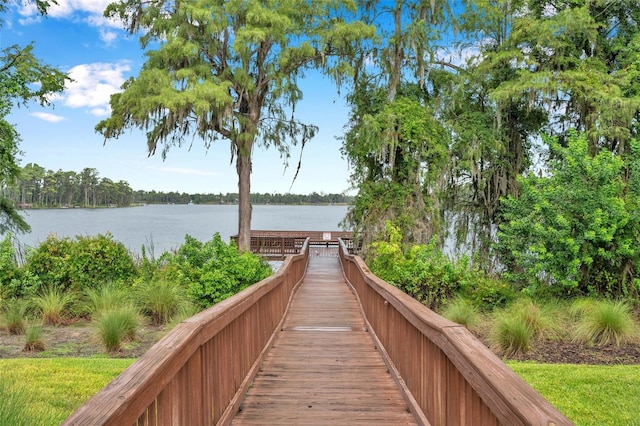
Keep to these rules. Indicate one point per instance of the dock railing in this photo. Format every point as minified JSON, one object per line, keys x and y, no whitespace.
{"x":451,"y":377}
{"x":199,"y":372}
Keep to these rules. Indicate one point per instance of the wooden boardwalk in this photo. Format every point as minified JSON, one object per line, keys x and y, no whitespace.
{"x":323,"y":367}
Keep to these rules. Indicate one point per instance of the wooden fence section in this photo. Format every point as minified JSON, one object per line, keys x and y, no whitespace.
{"x":278,"y":244}
{"x":452,"y":376}
{"x":198,"y":373}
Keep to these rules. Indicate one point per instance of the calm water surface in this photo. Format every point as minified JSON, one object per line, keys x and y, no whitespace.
{"x":166,"y":225}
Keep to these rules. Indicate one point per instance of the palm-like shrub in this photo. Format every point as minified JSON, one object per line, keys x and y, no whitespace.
{"x":54,"y":304}
{"x":117,"y":326}
{"x":13,"y":313}
{"x":607,"y":322}
{"x":161,"y":300}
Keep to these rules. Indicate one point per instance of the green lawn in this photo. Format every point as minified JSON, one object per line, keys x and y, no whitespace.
{"x":587,"y":394}
{"x":45,"y":391}
{"x":48,"y":390}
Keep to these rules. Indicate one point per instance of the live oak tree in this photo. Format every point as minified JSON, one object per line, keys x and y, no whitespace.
{"x":229,"y":69}
{"x":23,"y":79}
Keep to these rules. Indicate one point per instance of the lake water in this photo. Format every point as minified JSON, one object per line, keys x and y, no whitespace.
{"x":166,"y":225}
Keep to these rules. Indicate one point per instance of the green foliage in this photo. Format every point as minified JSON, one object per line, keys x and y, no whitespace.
{"x":8,"y":265}
{"x":575,"y":230}
{"x":461,"y":311}
{"x":86,"y":262}
{"x":212,"y":271}
{"x":53,"y":305}
{"x":424,"y":272}
{"x":161,"y":300}
{"x":486,"y":292}
{"x":14,"y":315}
{"x":117,"y":326}
{"x":398,"y":151}
{"x":606,"y":322}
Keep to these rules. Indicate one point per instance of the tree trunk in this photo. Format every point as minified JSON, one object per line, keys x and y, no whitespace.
{"x":243,"y":166}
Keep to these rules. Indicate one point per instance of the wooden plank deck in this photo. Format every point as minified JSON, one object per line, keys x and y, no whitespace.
{"x":323,"y":367}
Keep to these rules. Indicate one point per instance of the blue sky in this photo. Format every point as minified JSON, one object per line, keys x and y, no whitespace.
{"x":99,"y":56}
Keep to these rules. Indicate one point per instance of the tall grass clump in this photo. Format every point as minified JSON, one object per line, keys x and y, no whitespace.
{"x":117,"y":326}
{"x":13,"y":315}
{"x":607,"y":322}
{"x":107,"y":297}
{"x":461,"y":311}
{"x":53,"y":304}
{"x":518,"y":326}
{"x":510,"y":335}
{"x":161,"y":300}
{"x":33,"y":339}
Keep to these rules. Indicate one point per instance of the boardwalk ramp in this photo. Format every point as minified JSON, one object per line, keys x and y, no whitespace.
{"x":324,"y":367}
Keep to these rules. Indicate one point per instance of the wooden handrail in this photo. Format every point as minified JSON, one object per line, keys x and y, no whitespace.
{"x":198,"y":373}
{"x":451,"y":375}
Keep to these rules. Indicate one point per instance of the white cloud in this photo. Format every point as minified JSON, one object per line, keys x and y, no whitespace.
{"x":93,"y":85}
{"x":66,"y":8}
{"x":52,"y":118}
{"x":107,"y":36}
{"x":88,"y":11}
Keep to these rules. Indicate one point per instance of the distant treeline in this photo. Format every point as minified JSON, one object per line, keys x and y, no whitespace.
{"x":153,"y":197}
{"x":40,"y":188}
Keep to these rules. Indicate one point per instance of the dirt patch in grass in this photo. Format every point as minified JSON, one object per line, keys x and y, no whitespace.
{"x":78,"y":340}
{"x":561,"y":352}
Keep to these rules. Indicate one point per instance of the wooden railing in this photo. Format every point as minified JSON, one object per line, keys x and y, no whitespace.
{"x":278,"y":244}
{"x":451,"y":377}
{"x":198,"y":373}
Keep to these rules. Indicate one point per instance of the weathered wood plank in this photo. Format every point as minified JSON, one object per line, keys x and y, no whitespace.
{"x":324,"y":366}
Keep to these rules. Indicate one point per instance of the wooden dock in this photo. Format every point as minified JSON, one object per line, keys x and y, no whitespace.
{"x":323,"y":367}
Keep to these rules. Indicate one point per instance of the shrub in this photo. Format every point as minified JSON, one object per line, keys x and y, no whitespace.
{"x":14,"y":312}
{"x":212,"y":271}
{"x":575,"y":230}
{"x":607,"y":322}
{"x":83,"y":263}
{"x":424,"y":272}
{"x":487,"y":293}
{"x":161,"y":300}
{"x":33,"y":339}
{"x":461,"y":311}
{"x":116,"y":326}
{"x":53,"y":304}
{"x":8,"y":267}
